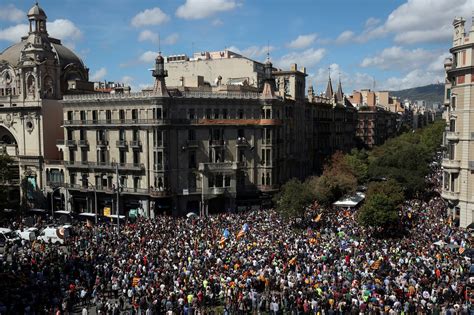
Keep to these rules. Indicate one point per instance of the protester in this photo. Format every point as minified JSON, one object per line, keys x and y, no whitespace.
{"x":249,"y":262}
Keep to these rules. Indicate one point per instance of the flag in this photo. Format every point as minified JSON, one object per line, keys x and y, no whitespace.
{"x":461,"y":250}
{"x":240,"y":234}
{"x":292,"y":261}
{"x":222,"y":241}
{"x":318,"y":218}
{"x":376,"y":265}
{"x":225,"y":233}
{"x":245,"y":227}
{"x":135,"y":281}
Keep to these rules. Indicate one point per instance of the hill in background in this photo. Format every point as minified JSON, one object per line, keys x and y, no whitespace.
{"x":433,"y":93}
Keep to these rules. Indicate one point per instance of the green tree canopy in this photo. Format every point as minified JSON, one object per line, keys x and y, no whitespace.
{"x":378,"y":211}
{"x":293,"y":198}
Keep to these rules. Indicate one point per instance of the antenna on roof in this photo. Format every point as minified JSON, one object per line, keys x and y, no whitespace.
{"x":159,"y":42}
{"x":329,"y":71}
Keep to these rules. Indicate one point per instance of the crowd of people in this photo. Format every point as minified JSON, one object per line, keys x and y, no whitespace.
{"x":248,"y":263}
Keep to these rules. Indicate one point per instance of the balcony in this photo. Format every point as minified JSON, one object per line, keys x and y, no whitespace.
{"x":242,"y":142}
{"x":217,"y":190}
{"x":135,"y":144}
{"x":451,"y":164}
{"x":122,"y":144}
{"x":83,"y":143}
{"x":217,"y":143}
{"x":192,"y":144}
{"x":450,"y":195}
{"x":102,"y":143}
{"x":159,"y":193}
{"x":104,"y":165}
{"x":70,"y":143}
{"x":452,"y":135}
{"x":268,"y":188}
{"x":219,"y":167}
{"x":116,"y":122}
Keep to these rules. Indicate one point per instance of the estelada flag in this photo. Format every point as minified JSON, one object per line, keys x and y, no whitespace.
{"x":318,"y":218}
{"x":240,"y":234}
{"x":376,"y":265}
{"x":222,"y":241}
{"x":135,"y":281}
{"x":461,"y":250}
{"x":292,"y":261}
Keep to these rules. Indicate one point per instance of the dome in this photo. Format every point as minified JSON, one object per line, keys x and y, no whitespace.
{"x":36,"y":11}
{"x":64,"y":55}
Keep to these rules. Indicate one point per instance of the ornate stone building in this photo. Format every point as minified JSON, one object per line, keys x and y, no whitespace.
{"x":458,"y":162}
{"x":34,"y":74}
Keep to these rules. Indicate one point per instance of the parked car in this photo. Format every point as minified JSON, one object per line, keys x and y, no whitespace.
{"x":9,"y":236}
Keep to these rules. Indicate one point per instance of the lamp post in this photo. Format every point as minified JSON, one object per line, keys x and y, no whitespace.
{"x":95,"y":201}
{"x":52,"y":200}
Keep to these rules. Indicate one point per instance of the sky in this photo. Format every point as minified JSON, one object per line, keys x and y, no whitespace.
{"x":386,"y":44}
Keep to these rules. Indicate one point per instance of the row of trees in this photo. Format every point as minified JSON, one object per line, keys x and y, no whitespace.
{"x":391,"y":172}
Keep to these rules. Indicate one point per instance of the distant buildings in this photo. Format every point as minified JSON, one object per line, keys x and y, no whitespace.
{"x":458,"y":161}
{"x":217,"y":131}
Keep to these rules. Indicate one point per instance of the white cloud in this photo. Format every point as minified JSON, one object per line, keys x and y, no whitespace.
{"x":14,"y":33}
{"x":306,"y":58}
{"x":418,"y":21}
{"x":217,"y":22}
{"x":371,"y":22}
{"x":99,"y":74}
{"x":302,"y":41}
{"x":148,"y":56}
{"x":127,"y":80}
{"x":417,"y":77}
{"x":147,"y":35}
{"x":252,"y":51}
{"x":345,"y":37}
{"x":64,"y":30}
{"x":199,"y":9}
{"x":399,"y":58}
{"x":152,"y":16}
{"x":171,"y":39}
{"x":11,"y":13}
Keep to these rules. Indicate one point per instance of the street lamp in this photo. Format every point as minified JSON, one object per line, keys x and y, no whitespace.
{"x":52,"y":200}
{"x":95,"y":201}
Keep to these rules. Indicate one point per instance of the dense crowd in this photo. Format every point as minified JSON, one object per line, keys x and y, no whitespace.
{"x":249,"y":263}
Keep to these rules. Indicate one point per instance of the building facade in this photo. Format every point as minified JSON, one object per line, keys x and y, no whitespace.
{"x":458,"y":161}
{"x":34,"y":74}
{"x":375,"y":125}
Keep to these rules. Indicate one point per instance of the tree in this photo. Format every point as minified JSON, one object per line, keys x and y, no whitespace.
{"x":5,"y":176}
{"x":378,"y":211}
{"x":358,"y":163}
{"x":390,"y":188}
{"x":293,"y":199}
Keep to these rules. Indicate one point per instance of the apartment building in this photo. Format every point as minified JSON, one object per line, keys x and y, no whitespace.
{"x":458,"y":161}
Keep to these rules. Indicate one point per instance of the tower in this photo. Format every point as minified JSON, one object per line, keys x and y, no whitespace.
{"x":160,"y":74}
{"x":268,"y":85}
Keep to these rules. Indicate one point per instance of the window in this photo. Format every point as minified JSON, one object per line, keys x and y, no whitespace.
{"x":216,"y":113}
{"x":240,"y":133}
{"x":159,"y":113}
{"x":122,"y":135}
{"x":241,"y":155}
{"x":240,"y":113}
{"x":136,"y":183}
{"x":208,"y":113}
{"x":191,"y":134}
{"x":192,"y":159}
{"x":70,"y":115}
{"x":224,"y":113}
{"x":134,"y":114}
{"x":82,"y":115}
{"x":70,"y":134}
{"x":453,"y":182}
{"x":136,"y":135}
{"x":461,"y":79}
{"x":84,"y":155}
{"x":451,"y":150}
{"x":72,"y":156}
{"x":72,"y":178}
{"x":191,"y":113}
{"x":160,"y":160}
{"x":123,"y":181}
{"x":192,"y":181}
{"x":136,"y":157}
{"x":108,"y":116}
{"x":121,"y":115}
{"x":102,"y":156}
{"x":82,"y":134}
{"x":446,"y":180}
{"x":85,"y":180}
{"x":123,"y":156}
{"x":226,"y":181}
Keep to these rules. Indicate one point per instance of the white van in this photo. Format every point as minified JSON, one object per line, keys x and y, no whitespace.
{"x":9,"y":236}
{"x":55,"y":235}
{"x":28,"y":234}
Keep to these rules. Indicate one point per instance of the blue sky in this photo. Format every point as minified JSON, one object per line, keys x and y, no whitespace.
{"x":396,"y":43}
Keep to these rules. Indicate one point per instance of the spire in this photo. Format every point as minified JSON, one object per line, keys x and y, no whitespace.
{"x":160,"y":74}
{"x":339,"y":93}
{"x":329,"y":90}
{"x":268,"y":90}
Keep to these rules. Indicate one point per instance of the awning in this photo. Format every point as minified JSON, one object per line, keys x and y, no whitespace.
{"x":351,"y":201}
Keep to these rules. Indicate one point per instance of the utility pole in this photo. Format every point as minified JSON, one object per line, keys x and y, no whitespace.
{"x":118,"y":196}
